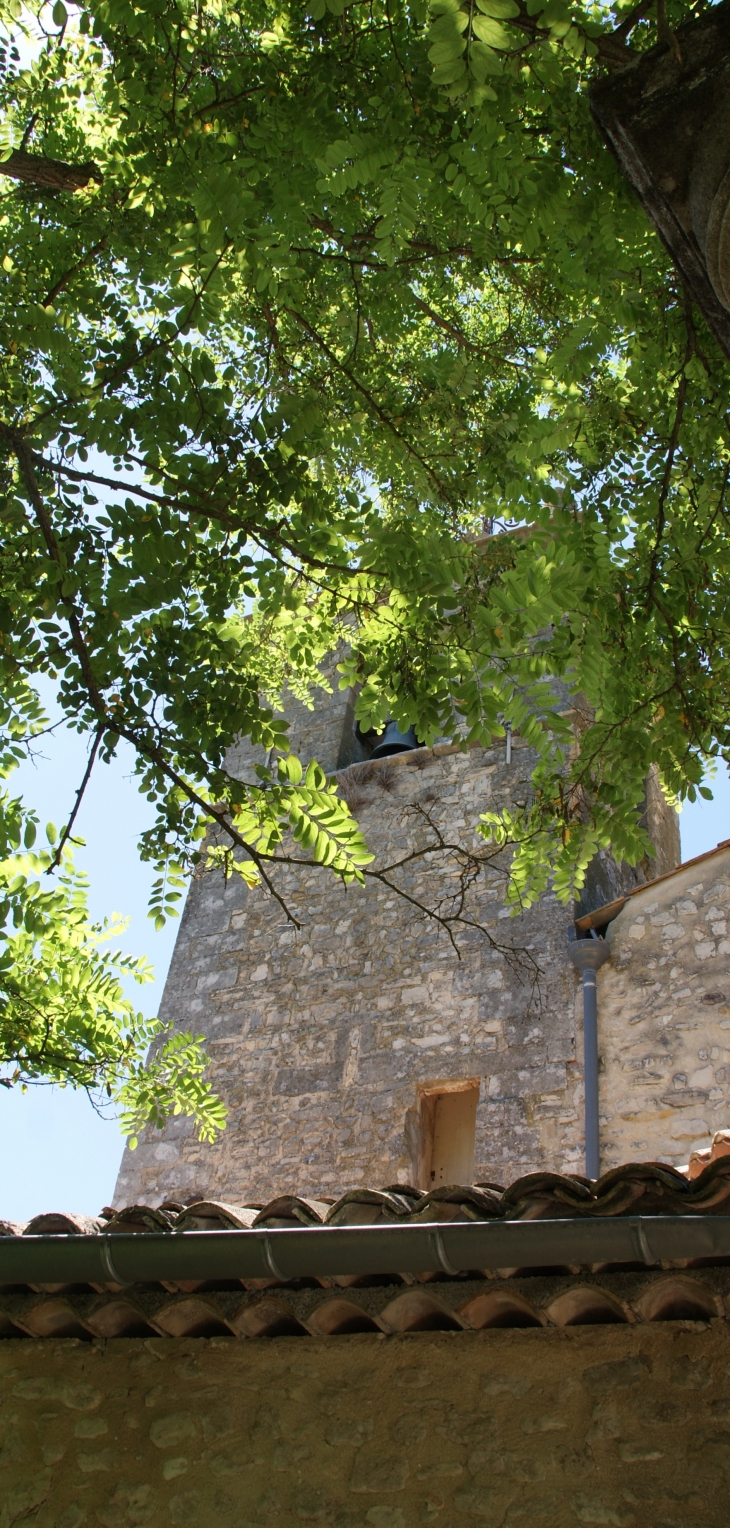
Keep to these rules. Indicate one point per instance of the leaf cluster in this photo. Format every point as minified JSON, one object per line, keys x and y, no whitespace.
{"x":354,"y":341}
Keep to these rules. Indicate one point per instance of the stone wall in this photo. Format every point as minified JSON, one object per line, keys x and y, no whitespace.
{"x":664,"y":1018}
{"x":328,"y":1041}
{"x":613,"y":1425}
{"x":607,"y":879}
{"x":322,"y":1039}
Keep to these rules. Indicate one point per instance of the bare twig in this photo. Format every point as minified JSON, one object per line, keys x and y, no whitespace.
{"x":370,"y":400}
{"x":66,"y":834}
{"x":63,"y":281}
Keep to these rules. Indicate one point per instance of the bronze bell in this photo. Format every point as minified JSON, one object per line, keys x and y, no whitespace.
{"x":395,"y":741}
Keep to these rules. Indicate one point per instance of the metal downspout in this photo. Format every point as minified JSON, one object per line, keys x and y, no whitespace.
{"x":588,"y":955}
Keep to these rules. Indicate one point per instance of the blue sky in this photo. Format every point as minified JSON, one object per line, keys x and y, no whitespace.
{"x":55,"y":1153}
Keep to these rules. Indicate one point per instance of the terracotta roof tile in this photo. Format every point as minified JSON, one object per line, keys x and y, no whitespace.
{"x":456,"y":1305}
{"x":720,"y":1147}
{"x":646,"y":1188}
{"x":56,"y":1224}
{"x":290,"y":1210}
{"x":382,"y":1304}
{"x":456,"y":1203}
{"x":369,"y":1207}
{"x":212,"y":1215}
{"x":141,"y":1217}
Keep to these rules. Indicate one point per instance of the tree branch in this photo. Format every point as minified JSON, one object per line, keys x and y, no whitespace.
{"x":671,"y":451}
{"x":66,"y":834}
{"x":25,"y":461}
{"x":208,"y":511}
{"x":457,"y":334}
{"x":373,"y":403}
{"x":59,"y":285}
{"x":49,"y":174}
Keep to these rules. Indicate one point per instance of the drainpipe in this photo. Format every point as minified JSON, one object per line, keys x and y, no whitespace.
{"x":587,"y":956}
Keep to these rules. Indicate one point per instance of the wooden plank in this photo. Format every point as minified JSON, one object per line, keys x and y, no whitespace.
{"x":603,"y":915}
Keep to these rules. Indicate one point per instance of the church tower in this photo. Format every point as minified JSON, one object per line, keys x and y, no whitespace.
{"x":363,"y":1049}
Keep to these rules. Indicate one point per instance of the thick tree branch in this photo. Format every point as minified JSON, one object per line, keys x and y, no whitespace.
{"x":49,"y":174}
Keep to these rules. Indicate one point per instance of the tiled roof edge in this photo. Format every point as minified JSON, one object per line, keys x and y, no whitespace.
{"x":316,"y":1251}
{"x":611,"y":910}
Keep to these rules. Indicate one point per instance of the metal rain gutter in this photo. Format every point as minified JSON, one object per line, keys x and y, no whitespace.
{"x":588,"y":955}
{"x":126,"y":1258}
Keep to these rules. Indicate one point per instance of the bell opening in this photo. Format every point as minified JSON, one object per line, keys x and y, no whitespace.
{"x":394,"y":741}
{"x":382,"y":744}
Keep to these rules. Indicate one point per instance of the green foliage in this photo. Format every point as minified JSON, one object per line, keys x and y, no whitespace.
{"x":64,"y":1017}
{"x":350,"y":285}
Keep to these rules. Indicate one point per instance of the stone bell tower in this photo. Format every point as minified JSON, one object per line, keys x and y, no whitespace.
{"x":362,"y":1049}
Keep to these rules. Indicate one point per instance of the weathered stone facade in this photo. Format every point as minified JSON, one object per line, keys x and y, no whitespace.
{"x":664,"y":1018}
{"x":320,"y":1040}
{"x":333,"y":1044}
{"x":613,"y":1425}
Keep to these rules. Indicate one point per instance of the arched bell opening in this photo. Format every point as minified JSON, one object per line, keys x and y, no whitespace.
{"x":382,"y":745}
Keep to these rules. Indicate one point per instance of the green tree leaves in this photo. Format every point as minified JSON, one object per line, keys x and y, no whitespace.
{"x":490,"y":32}
{"x":308,"y":805}
{"x":349,"y":289}
{"x":64,"y":1016}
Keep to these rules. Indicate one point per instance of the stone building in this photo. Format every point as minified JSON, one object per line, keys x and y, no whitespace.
{"x":664,"y":1016}
{"x":363,"y":1048}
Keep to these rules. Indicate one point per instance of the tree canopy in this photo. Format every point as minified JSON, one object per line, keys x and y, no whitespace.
{"x":335,"y":322}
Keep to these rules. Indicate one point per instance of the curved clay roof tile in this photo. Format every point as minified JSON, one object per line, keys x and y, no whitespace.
{"x":60,"y":1224}
{"x":454,"y":1203}
{"x":644,"y":1188}
{"x":141,"y":1217}
{"x":289,"y":1209}
{"x":214,"y":1215}
{"x":368,"y":1206}
{"x":541,"y":1196}
{"x":710,"y":1191}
